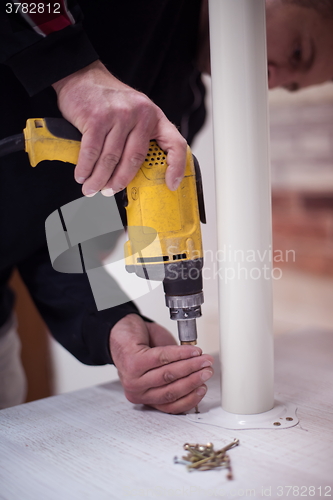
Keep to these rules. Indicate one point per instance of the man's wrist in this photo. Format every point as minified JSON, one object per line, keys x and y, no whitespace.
{"x":95,"y":73}
{"x":60,"y":84}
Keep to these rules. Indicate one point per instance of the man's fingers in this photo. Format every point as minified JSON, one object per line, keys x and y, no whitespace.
{"x":167,"y":377}
{"x":129,"y":344}
{"x":96,"y":102}
{"x":178,"y":389}
{"x":160,"y":356}
{"x":170,"y":373}
{"x":135,"y":151}
{"x":169,"y":139}
{"x":176,"y":159}
{"x":185,"y":403}
{"x":90,"y":150}
{"x":171,"y":392}
{"x":107,"y":162}
{"x":133,"y":156}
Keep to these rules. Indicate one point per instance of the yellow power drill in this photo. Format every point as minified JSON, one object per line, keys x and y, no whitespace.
{"x":164,"y":226}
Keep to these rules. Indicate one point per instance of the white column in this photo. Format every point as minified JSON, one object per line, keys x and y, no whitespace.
{"x":241,"y":145}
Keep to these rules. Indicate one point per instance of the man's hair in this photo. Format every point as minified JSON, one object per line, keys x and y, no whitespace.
{"x":324,"y":7}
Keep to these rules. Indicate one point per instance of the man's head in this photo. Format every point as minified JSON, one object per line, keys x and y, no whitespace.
{"x":325,"y":7}
{"x":299,"y":42}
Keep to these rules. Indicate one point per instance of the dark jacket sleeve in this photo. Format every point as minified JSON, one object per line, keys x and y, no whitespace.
{"x":42,"y":48}
{"x":66,"y":304}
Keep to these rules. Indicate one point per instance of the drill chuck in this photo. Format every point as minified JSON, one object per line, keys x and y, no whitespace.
{"x":185,"y":309}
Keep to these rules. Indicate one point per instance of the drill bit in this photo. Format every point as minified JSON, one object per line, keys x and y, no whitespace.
{"x":192,"y":342}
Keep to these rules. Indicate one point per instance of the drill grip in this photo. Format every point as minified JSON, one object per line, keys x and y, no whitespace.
{"x":51,"y":139}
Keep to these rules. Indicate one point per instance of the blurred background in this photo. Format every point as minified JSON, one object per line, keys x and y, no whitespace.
{"x":302,"y":198}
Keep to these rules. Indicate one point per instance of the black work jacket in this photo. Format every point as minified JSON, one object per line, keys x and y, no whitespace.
{"x":148,"y":44}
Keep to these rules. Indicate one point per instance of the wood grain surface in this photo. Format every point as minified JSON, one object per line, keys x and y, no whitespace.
{"x":94,"y":444}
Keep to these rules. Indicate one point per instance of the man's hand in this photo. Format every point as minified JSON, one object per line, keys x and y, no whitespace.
{"x":154,"y":370}
{"x":117,"y":123}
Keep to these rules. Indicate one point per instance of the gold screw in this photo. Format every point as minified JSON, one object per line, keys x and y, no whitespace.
{"x":203,"y":457}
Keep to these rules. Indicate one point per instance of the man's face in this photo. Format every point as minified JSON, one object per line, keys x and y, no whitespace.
{"x":299,"y":46}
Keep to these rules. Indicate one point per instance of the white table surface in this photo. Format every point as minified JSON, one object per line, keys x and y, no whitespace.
{"x":94,"y":444}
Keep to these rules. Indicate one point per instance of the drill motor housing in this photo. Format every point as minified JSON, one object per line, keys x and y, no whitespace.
{"x":165,"y":241}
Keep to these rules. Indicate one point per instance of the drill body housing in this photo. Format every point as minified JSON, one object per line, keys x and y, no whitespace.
{"x":165,"y":241}
{"x":164,"y":226}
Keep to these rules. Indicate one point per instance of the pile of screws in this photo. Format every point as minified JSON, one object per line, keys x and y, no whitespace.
{"x":204,"y":457}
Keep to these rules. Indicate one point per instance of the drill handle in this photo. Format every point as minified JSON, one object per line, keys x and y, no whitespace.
{"x":51,"y":139}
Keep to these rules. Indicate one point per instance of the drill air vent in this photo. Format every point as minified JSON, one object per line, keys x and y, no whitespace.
{"x":155,"y":156}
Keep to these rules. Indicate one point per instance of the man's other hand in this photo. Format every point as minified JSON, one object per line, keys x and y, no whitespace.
{"x":154,"y":370}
